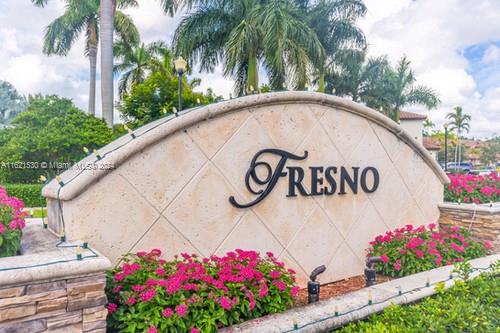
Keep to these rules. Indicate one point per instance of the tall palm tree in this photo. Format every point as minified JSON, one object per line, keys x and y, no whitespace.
{"x":402,"y":91}
{"x":428,"y":126}
{"x":459,"y":122}
{"x":107,"y":19}
{"x":84,"y":17}
{"x":244,"y":34}
{"x":350,"y":74}
{"x":136,"y":62}
{"x":334,"y":21}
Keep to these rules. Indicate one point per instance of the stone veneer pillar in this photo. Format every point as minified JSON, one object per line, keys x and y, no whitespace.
{"x":483,"y":221}
{"x":47,"y":290}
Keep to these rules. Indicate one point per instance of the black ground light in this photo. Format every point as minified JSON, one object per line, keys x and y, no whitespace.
{"x":370,"y":274}
{"x":313,"y":286}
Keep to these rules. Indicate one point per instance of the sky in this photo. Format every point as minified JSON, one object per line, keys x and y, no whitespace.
{"x":453,"y":45}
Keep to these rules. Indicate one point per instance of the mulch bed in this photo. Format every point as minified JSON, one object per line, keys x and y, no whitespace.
{"x":339,"y":288}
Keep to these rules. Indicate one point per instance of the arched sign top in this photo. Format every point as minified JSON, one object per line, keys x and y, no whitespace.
{"x":119,"y":151}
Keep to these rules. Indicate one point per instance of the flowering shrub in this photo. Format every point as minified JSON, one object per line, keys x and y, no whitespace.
{"x":189,"y":294}
{"x":473,"y":188}
{"x":11,"y":224}
{"x":410,"y":250}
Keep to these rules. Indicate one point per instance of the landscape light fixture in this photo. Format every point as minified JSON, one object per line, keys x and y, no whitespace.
{"x":313,"y":286}
{"x":370,"y":298}
{"x":96,"y":153}
{"x":370,"y":273}
{"x":86,"y":150}
{"x":129,"y":131}
{"x":43,"y":179}
{"x":59,"y":180}
{"x":445,"y":147}
{"x":78,"y":252}
{"x":180,"y":66}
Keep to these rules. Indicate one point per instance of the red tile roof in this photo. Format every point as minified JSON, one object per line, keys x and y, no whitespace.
{"x":404,"y":115}
{"x":431,"y":144}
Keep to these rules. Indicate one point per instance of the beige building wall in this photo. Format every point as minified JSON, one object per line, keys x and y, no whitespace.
{"x":170,"y":185}
{"x":414,"y":128}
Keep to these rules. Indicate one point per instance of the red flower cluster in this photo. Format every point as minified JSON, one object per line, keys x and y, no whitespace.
{"x":409,"y":250}
{"x":473,"y":189}
{"x":188,"y":288}
{"x":11,"y":223}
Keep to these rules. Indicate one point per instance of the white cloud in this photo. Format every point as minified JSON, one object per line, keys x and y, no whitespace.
{"x":433,"y":34}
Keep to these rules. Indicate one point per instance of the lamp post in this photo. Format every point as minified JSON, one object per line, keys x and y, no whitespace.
{"x":180,"y":67}
{"x":446,"y":147}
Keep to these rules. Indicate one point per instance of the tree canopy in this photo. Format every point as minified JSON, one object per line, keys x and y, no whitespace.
{"x":11,"y":102}
{"x":41,"y":134}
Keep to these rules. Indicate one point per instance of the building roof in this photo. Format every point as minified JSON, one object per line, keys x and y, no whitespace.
{"x":431,"y":144}
{"x":404,"y":115}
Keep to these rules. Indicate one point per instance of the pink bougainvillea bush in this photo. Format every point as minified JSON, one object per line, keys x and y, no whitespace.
{"x":191,"y":294}
{"x":11,"y":224}
{"x":409,"y":250}
{"x":473,"y":188}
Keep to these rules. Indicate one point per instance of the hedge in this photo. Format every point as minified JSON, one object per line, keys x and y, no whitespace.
{"x":471,"y":307}
{"x":29,"y":193}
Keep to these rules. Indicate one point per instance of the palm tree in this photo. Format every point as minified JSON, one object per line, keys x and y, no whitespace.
{"x":333,"y":21}
{"x":428,"y":126}
{"x":350,"y":74}
{"x":459,"y":121}
{"x":107,"y":19}
{"x":243,"y":34}
{"x":83,"y":17}
{"x":136,"y":62}
{"x":402,"y":91}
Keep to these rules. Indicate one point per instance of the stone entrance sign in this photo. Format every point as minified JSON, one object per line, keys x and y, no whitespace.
{"x":310,"y":177}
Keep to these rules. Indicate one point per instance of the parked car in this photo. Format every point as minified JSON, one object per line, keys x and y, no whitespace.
{"x":462,"y":167}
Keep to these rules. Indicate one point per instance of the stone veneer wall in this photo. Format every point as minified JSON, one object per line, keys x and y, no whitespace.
{"x":47,"y":290}
{"x":482,"y":221}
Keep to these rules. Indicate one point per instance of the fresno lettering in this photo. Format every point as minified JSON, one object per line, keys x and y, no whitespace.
{"x":320,"y":180}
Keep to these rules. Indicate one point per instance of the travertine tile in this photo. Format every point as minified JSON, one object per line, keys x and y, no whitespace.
{"x":166,"y":238}
{"x":212,"y":134}
{"x":202,"y":210}
{"x":151,"y":172}
{"x":250,"y":234}
{"x":316,"y":242}
{"x":286,"y":125}
{"x":390,"y":141}
{"x":344,"y":264}
{"x":111,"y":216}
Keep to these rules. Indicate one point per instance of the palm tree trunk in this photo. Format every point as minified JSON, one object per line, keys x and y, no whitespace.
{"x":92,"y":47}
{"x":253,"y":75}
{"x":107,"y":14}
{"x":93,"y":69}
{"x":321,"y":83}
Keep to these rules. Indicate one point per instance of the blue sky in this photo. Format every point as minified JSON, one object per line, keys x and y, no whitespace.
{"x":454,"y":46}
{"x":484,"y":64}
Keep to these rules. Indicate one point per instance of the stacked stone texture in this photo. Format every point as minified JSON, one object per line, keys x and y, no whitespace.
{"x":483,"y":225}
{"x":71,"y":304}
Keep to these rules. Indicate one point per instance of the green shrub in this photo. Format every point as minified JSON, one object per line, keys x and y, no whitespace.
{"x":409,"y":250}
{"x":471,"y":307}
{"x":11,"y":224}
{"x":31,"y":194}
{"x":189,"y":294}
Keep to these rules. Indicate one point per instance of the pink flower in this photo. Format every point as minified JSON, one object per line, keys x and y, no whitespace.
{"x":181,"y":310}
{"x":141,"y":254}
{"x":274,"y":274}
{"x":280,"y":285}
{"x":419,"y":253}
{"x":137,"y":288}
{"x":112,"y":307}
{"x":397,"y":265}
{"x":147,"y":295}
{"x":13,"y":225}
{"x":152,"y":329}
{"x":2,"y":229}
{"x":457,"y":247}
{"x":167,"y":313}
{"x":384,"y":258}
{"x":119,"y":277}
{"x":487,"y":245}
{"x":438,"y":260}
{"x":131,"y":300}
{"x":194,"y":330}
{"x":414,"y":242}
{"x":160,"y":272}
{"x":225,"y":303}
{"x":295,"y":291}
{"x":117,"y":289}
{"x":432,"y":226}
{"x":263,"y":291}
